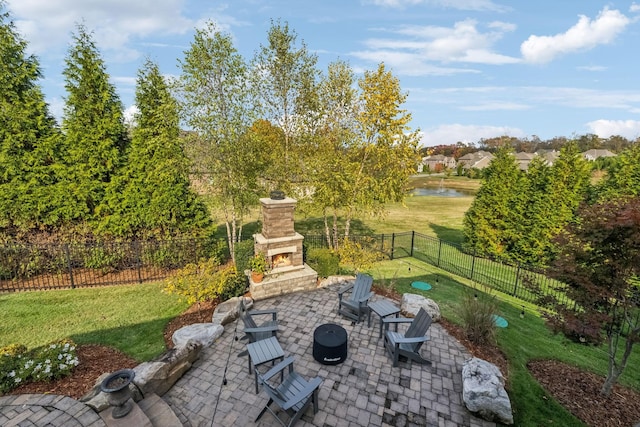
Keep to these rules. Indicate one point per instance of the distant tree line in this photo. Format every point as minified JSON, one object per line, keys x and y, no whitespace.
{"x":614,"y":143}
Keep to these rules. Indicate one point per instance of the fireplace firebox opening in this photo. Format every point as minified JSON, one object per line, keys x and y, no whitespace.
{"x":281,"y":260}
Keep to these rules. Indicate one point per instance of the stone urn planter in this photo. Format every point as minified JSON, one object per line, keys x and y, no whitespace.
{"x":116,"y":387}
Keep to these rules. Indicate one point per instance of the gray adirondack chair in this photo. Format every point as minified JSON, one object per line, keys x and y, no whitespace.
{"x":252,"y":330}
{"x":293,"y":394}
{"x":355,"y":306}
{"x":407,"y":345}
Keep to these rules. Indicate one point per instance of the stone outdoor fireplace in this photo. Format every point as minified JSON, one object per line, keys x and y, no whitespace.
{"x":283,"y":248}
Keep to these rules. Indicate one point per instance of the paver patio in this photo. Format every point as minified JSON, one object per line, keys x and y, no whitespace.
{"x":365,"y":390}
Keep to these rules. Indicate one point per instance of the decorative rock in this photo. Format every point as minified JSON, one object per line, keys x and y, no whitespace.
{"x":483,"y":391}
{"x":200,"y":333}
{"x":229,"y":310}
{"x":150,"y":377}
{"x":411,"y":304}
{"x":336,"y":280}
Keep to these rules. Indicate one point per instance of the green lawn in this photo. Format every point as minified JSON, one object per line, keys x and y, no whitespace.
{"x":439,"y":217}
{"x":130,"y":318}
{"x":523,"y":340}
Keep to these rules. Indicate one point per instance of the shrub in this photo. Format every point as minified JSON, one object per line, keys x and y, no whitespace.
{"x":244,"y":252}
{"x":206,"y":281}
{"x":19,"y":366}
{"x":195,"y":283}
{"x":358,"y":256}
{"x":235,"y":284}
{"x":478,"y":320}
{"x":103,"y":258}
{"x":324,"y":261}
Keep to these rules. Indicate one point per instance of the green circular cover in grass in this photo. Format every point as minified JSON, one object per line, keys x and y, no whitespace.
{"x":501,"y":322}
{"x":423,"y":286}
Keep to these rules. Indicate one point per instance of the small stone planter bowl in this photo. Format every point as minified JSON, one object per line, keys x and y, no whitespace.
{"x":116,"y":387}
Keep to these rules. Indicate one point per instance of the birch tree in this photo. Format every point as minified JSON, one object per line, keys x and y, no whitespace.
{"x":217,"y":104}
{"x":369,"y":149}
{"x":285,"y":78}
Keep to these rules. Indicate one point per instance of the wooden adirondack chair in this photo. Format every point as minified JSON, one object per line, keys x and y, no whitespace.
{"x":252,"y":330}
{"x":407,"y":345}
{"x":355,"y":307}
{"x":293,"y":395}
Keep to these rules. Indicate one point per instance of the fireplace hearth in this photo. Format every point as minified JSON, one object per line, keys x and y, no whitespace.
{"x":282,"y":245}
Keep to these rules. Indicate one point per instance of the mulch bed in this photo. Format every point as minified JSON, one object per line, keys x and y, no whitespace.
{"x":95,"y":360}
{"x":579,"y":392}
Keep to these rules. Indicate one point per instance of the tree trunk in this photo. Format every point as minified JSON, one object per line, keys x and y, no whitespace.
{"x":616,"y":369}
{"x":327,"y":233}
{"x":336,"y":241}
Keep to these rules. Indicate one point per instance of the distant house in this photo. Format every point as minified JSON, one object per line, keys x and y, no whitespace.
{"x":478,"y":160}
{"x":523,"y":159}
{"x":549,"y":156}
{"x":438,"y":162}
{"x":593,"y":154}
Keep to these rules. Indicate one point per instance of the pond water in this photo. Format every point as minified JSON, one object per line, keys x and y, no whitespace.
{"x":440,"y":192}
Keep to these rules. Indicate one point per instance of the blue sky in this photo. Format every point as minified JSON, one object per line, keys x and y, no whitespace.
{"x":472,"y":68}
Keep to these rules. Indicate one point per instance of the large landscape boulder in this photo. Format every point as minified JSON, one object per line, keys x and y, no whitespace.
{"x":203,"y":334}
{"x":336,"y":280}
{"x":412,"y":303}
{"x":228,"y":311}
{"x":483,"y":391}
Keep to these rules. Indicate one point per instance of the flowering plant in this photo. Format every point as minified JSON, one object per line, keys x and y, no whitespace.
{"x":18,"y":366}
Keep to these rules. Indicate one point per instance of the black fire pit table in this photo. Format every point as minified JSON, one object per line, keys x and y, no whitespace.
{"x":330,"y":344}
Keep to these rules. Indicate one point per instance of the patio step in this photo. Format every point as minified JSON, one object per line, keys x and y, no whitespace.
{"x":159,"y":412}
{"x":151,"y":411}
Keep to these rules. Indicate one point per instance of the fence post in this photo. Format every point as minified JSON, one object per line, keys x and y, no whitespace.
{"x":515,"y":286}
{"x":473,"y":264}
{"x":136,"y":247}
{"x":413,"y":236}
{"x":68,"y":255}
{"x":439,"y":251}
{"x":393,"y":244}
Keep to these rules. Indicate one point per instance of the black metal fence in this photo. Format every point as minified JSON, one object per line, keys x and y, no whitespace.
{"x":71,"y":265}
{"x":56,"y":266}
{"x":514,"y":280}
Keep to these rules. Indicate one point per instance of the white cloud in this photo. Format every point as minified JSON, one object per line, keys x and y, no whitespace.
{"x":496,"y":106}
{"x":629,"y":129}
{"x":593,"y":68}
{"x":634,"y":8}
{"x":407,"y":63}
{"x":461,"y":43}
{"x":453,"y":133}
{"x":584,"y":35}
{"x":417,"y":47}
{"x":479,"y":5}
{"x":114,"y":23}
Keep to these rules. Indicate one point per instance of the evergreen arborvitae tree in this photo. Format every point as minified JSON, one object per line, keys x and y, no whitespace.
{"x":488,"y":224}
{"x":623,"y":176}
{"x":151,"y":195}
{"x":29,"y":140}
{"x":93,"y":124}
{"x":549,"y":200}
